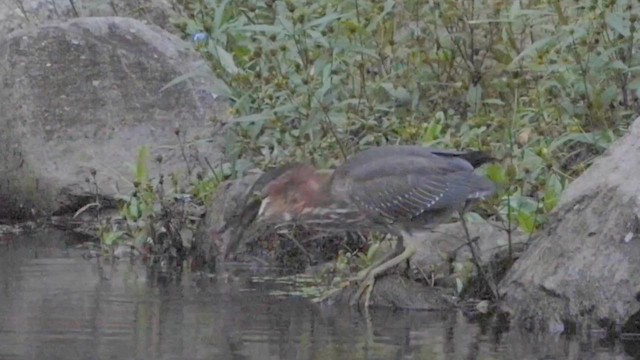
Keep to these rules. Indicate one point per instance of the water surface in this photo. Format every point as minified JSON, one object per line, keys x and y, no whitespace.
{"x":55,"y":305}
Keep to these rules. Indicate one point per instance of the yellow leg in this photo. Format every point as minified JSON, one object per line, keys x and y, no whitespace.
{"x":362,"y":274}
{"x":368,"y":284}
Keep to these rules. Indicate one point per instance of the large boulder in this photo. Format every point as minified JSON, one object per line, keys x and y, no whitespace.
{"x":15,"y":15}
{"x":583,"y":269}
{"x":87,"y":94}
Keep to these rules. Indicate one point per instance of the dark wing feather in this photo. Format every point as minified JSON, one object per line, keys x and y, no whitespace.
{"x":398,"y":189}
{"x":454,"y":158}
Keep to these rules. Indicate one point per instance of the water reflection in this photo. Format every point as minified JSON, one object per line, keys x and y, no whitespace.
{"x":54,"y":305}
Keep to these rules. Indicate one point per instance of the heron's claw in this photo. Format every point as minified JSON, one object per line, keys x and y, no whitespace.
{"x":330,"y":293}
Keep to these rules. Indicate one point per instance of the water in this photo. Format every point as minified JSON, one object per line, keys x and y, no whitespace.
{"x":54,"y":305}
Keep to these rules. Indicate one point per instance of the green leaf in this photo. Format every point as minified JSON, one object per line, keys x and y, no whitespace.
{"x":242,"y":165}
{"x":202,"y":71}
{"x":373,"y":249}
{"x":400,"y":94}
{"x":112,"y":237}
{"x":493,"y":102}
{"x":270,"y":29}
{"x":287,"y":25}
{"x":610,"y":94}
{"x":263,"y":115}
{"x":134,"y":208}
{"x":324,"y":21}
{"x":254,"y":129}
{"x":226,"y":60}
{"x":388,"y":7}
{"x":253,"y":117}
{"x":497,"y":174}
{"x":474,"y":97}
{"x":318,"y":38}
{"x":585,"y":138}
{"x":459,"y":285}
{"x":142,"y":173}
{"x":219,"y":13}
{"x":338,"y":118}
{"x":193,"y":27}
{"x":619,"y":65}
{"x":533,"y":49}
{"x":179,"y":79}
{"x":327,"y":82}
{"x":550,"y":199}
{"x":617,"y":23}
{"x":433,"y":132}
{"x":526,"y":221}
{"x":344,"y":45}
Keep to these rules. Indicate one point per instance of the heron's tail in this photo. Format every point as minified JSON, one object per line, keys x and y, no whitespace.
{"x":477,"y":158}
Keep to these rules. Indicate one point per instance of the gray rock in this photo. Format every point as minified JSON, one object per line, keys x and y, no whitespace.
{"x":583,"y":267}
{"x":22,"y":14}
{"x":222,"y":213}
{"x":448,"y":243}
{"x":396,"y":291}
{"x":87,"y":94}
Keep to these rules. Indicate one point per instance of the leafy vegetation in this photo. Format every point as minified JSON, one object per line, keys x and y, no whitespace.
{"x":157,"y":219}
{"x":545,"y":86}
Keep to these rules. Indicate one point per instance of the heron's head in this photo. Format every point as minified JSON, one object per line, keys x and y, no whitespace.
{"x":291,"y":195}
{"x":280,"y":196}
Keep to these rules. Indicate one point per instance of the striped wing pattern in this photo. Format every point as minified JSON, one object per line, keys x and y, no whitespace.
{"x":397,"y":198}
{"x":409,"y":186}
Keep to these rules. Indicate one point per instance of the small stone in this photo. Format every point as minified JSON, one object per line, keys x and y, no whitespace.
{"x":483,"y":306}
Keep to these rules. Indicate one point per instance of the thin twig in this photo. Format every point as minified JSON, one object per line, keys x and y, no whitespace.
{"x":20,"y":5}
{"x":476,"y":259}
{"x":73,"y":7}
{"x":215,"y":174}
{"x":299,"y":246}
{"x":184,"y":155}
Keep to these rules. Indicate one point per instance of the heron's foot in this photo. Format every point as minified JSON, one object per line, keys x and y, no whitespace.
{"x":363,"y":274}
{"x":358,"y":278}
{"x":332,"y":291}
{"x":373,"y":273}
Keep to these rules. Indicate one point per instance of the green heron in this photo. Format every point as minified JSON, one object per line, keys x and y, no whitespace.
{"x":400,"y":190}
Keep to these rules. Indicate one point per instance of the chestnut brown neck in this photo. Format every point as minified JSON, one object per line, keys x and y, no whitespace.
{"x":300,"y":187}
